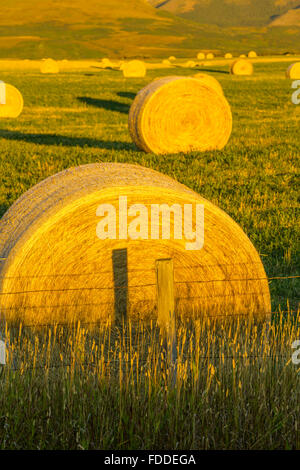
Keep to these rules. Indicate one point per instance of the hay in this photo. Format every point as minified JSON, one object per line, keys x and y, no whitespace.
{"x":241,"y":67}
{"x":106,"y":63}
{"x":134,"y":68}
{"x":179,"y":114}
{"x":51,"y":250}
{"x":293,"y":71}
{"x":243,"y":56}
{"x":166,"y":62}
{"x":49,"y":66}
{"x":190,"y":64}
{"x":210,"y":55}
{"x":209,"y":81}
{"x":11,"y":101}
{"x":228,"y":55}
{"x":252,"y":54}
{"x":200,"y":56}
{"x":172,"y":58}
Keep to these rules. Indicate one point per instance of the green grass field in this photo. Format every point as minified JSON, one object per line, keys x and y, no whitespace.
{"x":81,"y":117}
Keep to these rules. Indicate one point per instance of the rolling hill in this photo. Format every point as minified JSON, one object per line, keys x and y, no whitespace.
{"x":72,"y":29}
{"x":228,"y":12}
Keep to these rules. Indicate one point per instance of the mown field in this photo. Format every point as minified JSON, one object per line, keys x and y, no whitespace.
{"x":80,"y":117}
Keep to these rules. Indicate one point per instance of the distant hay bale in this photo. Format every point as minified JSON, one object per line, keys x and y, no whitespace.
{"x":55,"y":268}
{"x":293,"y":71}
{"x":243,"y":56}
{"x":241,"y":67}
{"x":166,"y":62}
{"x":190,"y":64}
{"x":210,"y":81}
{"x":11,"y":101}
{"x":49,"y":66}
{"x":200,"y":56}
{"x":134,"y":69}
{"x":252,"y":54}
{"x":228,"y":55}
{"x":106,"y":63}
{"x":179,"y":114}
{"x":210,"y":55}
{"x":172,"y":58}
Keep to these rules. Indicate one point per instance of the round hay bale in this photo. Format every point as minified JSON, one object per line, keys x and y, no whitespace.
{"x":166,"y":62}
{"x":190,"y":64}
{"x":172,"y":58}
{"x":11,"y":101}
{"x":179,"y":114}
{"x":293,"y":71}
{"x":209,"y":81}
{"x":200,"y":56}
{"x":210,"y":55}
{"x":106,"y":63}
{"x":228,"y":55}
{"x":56,"y":268}
{"x":49,"y":66}
{"x":252,"y":54}
{"x":243,"y":56}
{"x":241,"y":67}
{"x":134,"y":69}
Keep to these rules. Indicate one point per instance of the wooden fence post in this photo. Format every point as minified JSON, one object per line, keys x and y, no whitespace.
{"x":166,"y":311}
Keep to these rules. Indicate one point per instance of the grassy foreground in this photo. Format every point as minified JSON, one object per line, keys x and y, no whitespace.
{"x":235,"y":389}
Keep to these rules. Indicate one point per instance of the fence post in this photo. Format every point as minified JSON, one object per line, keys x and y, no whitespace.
{"x":166,"y":311}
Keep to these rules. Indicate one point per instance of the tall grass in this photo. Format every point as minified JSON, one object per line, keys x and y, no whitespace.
{"x":103,"y":387}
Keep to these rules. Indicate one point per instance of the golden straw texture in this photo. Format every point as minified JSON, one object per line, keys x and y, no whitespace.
{"x":252,"y":54}
{"x":134,"y":68}
{"x":210,"y":81}
{"x":293,"y":71}
{"x":179,"y":114}
{"x":49,"y":66}
{"x":13,"y":102}
{"x":241,"y":67}
{"x":57,"y":269}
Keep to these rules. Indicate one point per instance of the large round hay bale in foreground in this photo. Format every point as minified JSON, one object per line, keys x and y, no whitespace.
{"x":179,"y":114}
{"x":49,"y":66}
{"x":241,"y":67}
{"x":210,"y":81}
{"x":252,"y":54}
{"x":134,"y":69}
{"x":293,"y":71}
{"x":83,"y":242}
{"x":11,"y":101}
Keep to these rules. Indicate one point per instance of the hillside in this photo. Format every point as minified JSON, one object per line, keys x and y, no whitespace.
{"x":290,"y":18}
{"x":72,"y":29}
{"x":228,"y":12}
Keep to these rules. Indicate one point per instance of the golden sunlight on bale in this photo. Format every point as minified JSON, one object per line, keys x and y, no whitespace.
{"x":11,"y":101}
{"x":49,"y":66}
{"x":241,"y":67}
{"x":179,"y":114}
{"x":56,"y":267}
{"x":293,"y":71}
{"x":210,"y":81}
{"x":134,"y":68}
{"x":200,"y":56}
{"x":210,"y":55}
{"x":190,"y":64}
{"x":228,"y":55}
{"x":252,"y":54}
